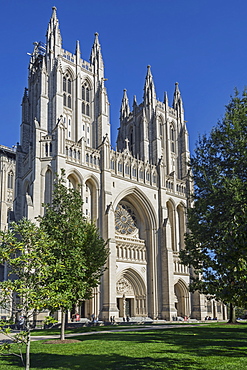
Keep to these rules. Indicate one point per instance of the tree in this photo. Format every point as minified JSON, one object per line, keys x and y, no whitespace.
{"x":24,"y":247}
{"x":216,"y":244}
{"x":78,"y":247}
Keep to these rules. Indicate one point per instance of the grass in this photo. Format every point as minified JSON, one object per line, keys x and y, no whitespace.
{"x":207,"y":347}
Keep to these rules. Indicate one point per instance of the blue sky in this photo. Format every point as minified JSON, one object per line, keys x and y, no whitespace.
{"x":202,"y":44}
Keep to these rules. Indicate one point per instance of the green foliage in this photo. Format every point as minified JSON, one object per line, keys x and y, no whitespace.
{"x":27,"y":251}
{"x":241,"y":313}
{"x":78,"y":248}
{"x":216,"y":246}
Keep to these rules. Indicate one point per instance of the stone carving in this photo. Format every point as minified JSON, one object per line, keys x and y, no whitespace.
{"x":124,"y":287}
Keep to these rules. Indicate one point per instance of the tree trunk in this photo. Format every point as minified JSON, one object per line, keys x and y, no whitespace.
{"x":62,"y":332}
{"x":232,"y":316}
{"x":28,"y":351}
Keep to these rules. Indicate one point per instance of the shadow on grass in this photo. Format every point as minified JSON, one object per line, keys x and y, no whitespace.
{"x":103,"y":362}
{"x":177,"y":348}
{"x":198,"y":341}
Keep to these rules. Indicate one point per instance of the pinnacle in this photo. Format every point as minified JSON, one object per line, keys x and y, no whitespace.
{"x":54,"y":10}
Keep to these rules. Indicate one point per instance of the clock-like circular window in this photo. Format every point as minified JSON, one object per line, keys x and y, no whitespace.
{"x":125,"y":219}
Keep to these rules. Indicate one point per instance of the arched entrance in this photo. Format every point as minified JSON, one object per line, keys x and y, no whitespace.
{"x":131,"y":294}
{"x":135,"y":242}
{"x":181,"y":299}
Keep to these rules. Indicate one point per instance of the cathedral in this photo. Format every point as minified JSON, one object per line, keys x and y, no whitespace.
{"x":137,"y":194}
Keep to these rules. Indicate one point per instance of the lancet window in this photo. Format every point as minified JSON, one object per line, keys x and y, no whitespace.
{"x":10,"y":180}
{"x":67,"y":90}
{"x":172,"y":138}
{"x":85,"y":95}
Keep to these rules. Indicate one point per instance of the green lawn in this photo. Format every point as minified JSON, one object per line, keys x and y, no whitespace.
{"x":207,"y":347}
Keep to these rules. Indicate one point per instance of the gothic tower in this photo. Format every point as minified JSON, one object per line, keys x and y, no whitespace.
{"x":65,"y":100}
{"x":136,"y":195}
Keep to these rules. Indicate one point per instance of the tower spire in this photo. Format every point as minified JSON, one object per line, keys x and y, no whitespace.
{"x":125,"y":108}
{"x":96,"y":57}
{"x":53,"y":35}
{"x":149,"y":90}
{"x":177,"y":99}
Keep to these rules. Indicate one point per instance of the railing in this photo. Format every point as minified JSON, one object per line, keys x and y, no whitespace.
{"x":92,"y":158}
{"x":86,"y":66}
{"x":124,"y":165}
{"x":73,"y":151}
{"x":130,"y":249}
{"x":69,"y":56}
{"x":179,"y":268}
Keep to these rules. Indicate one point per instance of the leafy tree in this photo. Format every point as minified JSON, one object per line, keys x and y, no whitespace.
{"x":26,"y":292}
{"x":216,"y":244}
{"x":78,"y":247}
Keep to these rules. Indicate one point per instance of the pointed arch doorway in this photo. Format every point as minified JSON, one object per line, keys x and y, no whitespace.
{"x":131,"y":294}
{"x":181,"y":299}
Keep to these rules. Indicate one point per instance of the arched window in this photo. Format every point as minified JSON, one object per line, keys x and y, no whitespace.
{"x":181,"y":226}
{"x":83,"y":109}
{"x":48,"y":187}
{"x":67,"y":91}
{"x":160,"y":126}
{"x":69,"y":101}
{"x":69,"y":85}
{"x":87,"y":95}
{"x":86,"y":98}
{"x":120,"y":167}
{"x":91,"y":200}
{"x":112,"y":164}
{"x":172,"y":138}
{"x":10,"y":180}
{"x":134,"y":172}
{"x":154,"y":178}
{"x":64,"y":84}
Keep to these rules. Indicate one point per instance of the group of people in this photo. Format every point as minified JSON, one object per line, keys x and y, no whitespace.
{"x":112,"y":319}
{"x":210,"y":318}
{"x":75,"y":317}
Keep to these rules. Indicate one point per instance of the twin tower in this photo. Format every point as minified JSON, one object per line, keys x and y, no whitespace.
{"x":137,"y":194}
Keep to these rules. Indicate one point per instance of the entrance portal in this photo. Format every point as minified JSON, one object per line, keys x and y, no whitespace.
{"x":181,"y":299}
{"x":131,"y":294}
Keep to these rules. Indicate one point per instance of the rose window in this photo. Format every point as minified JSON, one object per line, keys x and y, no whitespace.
{"x":125,"y":219}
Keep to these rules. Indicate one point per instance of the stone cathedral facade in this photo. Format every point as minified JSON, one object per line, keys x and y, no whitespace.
{"x":136,"y":195}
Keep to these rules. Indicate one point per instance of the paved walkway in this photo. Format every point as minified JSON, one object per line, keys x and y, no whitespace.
{"x":151,"y":327}
{"x":3,"y":338}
